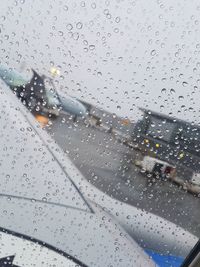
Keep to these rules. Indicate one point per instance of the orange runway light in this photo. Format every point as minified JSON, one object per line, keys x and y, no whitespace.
{"x":42,"y":120}
{"x":125,"y":122}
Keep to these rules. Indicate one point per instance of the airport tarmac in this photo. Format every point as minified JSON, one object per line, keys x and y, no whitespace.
{"x":108,"y":164}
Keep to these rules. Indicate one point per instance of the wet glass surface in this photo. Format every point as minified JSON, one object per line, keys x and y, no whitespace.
{"x":100,"y":125}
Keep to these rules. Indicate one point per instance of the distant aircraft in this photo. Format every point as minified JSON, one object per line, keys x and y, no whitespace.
{"x":39,"y":94}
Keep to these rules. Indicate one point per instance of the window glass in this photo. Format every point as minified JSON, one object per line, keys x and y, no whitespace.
{"x":161,"y":129}
{"x":100,"y":132}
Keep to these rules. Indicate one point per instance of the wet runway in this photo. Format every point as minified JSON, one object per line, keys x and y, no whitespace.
{"x":108,"y":165}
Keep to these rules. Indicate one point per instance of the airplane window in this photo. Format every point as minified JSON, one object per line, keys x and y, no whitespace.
{"x":100,"y":132}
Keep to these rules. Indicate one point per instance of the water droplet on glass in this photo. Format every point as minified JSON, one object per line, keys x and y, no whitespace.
{"x":172,"y":91}
{"x":164,"y":90}
{"x":75,"y":36}
{"x":184,"y":84}
{"x":91,"y":47}
{"x":99,"y":73}
{"x":153,"y":52}
{"x":117,"y":19}
{"x":79,"y":25}
{"x":93,"y":5}
{"x":69,"y":27}
{"x":60,"y":33}
{"x":65,"y":8}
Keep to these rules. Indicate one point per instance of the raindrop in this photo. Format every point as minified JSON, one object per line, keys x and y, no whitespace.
{"x":184,"y":84}
{"x":79,"y":25}
{"x":117,"y":19}
{"x":65,"y":8}
{"x":153,"y":52}
{"x":93,"y":5}
{"x":172,"y":91}
{"x":108,"y":16}
{"x":99,"y":73}
{"x":91,"y":47}
{"x":69,"y":27}
{"x":75,"y":36}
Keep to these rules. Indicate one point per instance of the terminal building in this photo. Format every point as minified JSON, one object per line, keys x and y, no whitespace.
{"x":169,"y":139}
{"x":111,"y":121}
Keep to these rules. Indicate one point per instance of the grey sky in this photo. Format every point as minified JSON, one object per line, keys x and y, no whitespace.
{"x":115,"y":54}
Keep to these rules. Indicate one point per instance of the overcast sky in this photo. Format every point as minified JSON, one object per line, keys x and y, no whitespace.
{"x":118,"y":55}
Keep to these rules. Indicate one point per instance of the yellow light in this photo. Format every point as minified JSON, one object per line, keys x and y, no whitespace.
{"x":157,"y":145}
{"x":181,"y":155}
{"x":146,"y":141}
{"x":54,"y":71}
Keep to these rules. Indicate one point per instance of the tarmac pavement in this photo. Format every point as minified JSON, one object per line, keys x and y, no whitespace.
{"x":109,"y":165}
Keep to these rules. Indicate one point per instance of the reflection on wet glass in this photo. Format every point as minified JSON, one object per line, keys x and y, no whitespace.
{"x":100,"y":132}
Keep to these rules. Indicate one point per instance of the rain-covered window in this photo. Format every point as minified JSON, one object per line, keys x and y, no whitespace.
{"x":161,"y":129}
{"x":100,"y":132}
